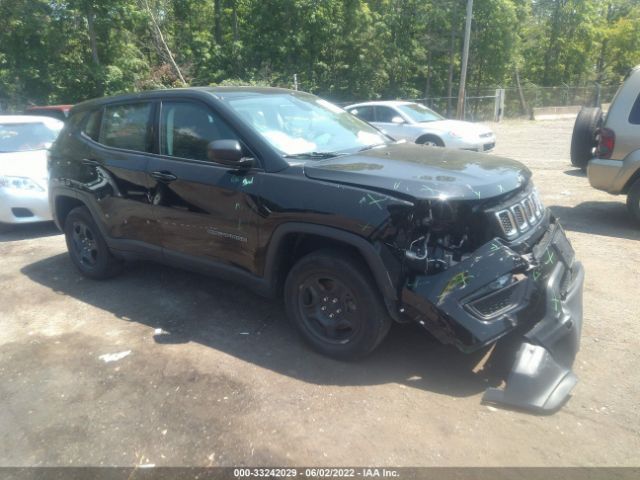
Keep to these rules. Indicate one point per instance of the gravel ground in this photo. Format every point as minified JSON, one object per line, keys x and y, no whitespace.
{"x":212,"y":375}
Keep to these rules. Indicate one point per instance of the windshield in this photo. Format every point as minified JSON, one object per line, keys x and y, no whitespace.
{"x":299,"y":124}
{"x":419,"y":113}
{"x":23,"y":137}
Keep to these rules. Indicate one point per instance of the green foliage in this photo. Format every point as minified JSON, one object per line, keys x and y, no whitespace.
{"x":69,"y":50}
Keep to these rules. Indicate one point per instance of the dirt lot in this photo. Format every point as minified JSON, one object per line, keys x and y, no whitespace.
{"x":215,"y":376}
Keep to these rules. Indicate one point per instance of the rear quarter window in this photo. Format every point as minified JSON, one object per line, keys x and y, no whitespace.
{"x":92,"y":125}
{"x":634,"y":116}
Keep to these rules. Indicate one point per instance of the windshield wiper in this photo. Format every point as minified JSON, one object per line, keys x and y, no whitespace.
{"x":369,"y":147}
{"x":314,"y":155}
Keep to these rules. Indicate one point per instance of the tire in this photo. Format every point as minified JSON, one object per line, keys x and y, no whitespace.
{"x":87,"y":248}
{"x":334,"y":305}
{"x":583,"y":138}
{"x":430,"y":140}
{"x":633,"y":200}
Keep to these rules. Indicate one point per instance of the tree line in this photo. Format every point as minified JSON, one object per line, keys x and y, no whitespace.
{"x":65,"y":51}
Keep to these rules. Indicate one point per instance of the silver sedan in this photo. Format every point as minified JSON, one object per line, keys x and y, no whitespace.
{"x":416,"y":123}
{"x":24,"y":141}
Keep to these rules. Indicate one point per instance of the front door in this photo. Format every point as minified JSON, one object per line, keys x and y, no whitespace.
{"x":206,"y":210}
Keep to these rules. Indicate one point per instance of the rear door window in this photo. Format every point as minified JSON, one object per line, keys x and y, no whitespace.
{"x":365,"y":113}
{"x":128,"y":127}
{"x":385,"y":114}
{"x":186,"y":128}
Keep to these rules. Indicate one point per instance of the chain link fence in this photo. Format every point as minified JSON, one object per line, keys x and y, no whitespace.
{"x":481,"y":105}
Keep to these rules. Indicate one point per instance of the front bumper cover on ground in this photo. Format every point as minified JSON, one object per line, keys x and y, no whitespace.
{"x":541,"y":377}
{"x":545,"y":318}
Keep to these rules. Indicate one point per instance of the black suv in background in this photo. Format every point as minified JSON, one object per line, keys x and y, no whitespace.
{"x":290,"y":195}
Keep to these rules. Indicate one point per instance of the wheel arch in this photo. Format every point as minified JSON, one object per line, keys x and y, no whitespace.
{"x":425,"y":136}
{"x":62,"y":206}
{"x":291,"y":241}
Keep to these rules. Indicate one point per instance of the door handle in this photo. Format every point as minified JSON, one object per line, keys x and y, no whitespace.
{"x":90,"y":162}
{"x":164,"y":176}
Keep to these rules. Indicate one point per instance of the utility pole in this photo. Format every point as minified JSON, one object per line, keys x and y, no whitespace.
{"x":465,"y":61}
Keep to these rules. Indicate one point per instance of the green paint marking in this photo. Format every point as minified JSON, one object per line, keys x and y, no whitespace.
{"x":550,"y":257}
{"x":495,"y":247}
{"x":457,"y":281}
{"x":237,"y":205}
{"x":373,"y":201}
{"x":536,"y":275}
{"x":396,"y":185}
{"x":247,"y":181}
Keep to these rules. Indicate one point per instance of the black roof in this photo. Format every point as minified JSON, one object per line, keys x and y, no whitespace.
{"x":222,"y":93}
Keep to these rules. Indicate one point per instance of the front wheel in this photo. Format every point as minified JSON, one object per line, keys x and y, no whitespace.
{"x":87,"y":249}
{"x":334,"y":305}
{"x":633,"y":200}
{"x":430,"y":140}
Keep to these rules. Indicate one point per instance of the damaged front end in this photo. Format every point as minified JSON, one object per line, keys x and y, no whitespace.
{"x":475,"y":276}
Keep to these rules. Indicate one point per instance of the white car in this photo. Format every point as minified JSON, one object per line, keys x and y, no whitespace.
{"x":416,"y":123}
{"x":24,"y":140}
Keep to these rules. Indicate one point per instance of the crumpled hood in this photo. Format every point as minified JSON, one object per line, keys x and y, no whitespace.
{"x":424,"y":172}
{"x":32,"y":164}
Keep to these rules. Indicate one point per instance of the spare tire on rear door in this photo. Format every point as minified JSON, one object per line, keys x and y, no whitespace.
{"x":584,"y":135}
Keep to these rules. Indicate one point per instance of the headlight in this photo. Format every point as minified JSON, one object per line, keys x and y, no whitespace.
{"x":19,"y":183}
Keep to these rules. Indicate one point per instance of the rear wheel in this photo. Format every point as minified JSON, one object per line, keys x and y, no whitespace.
{"x":87,"y":248}
{"x":583,"y":138}
{"x":633,"y":200}
{"x":334,"y":305}
{"x":430,"y":140}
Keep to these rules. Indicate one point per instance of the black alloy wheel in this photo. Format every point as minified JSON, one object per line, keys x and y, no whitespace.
{"x":87,"y":248}
{"x":84,"y":244}
{"x":329,"y":308}
{"x":333,"y":302}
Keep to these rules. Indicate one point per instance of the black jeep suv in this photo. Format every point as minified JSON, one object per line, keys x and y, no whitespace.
{"x":290,"y":195}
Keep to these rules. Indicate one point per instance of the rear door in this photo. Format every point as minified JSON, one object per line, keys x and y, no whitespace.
{"x":206,"y":210}
{"x":118,"y":142}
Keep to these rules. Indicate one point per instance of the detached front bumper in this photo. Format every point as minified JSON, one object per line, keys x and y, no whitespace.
{"x":498,"y":294}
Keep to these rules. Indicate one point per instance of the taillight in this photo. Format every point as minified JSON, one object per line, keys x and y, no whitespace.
{"x":606,"y":142}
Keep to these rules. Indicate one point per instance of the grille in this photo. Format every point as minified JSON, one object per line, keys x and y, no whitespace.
{"x":495,"y":303}
{"x":529,"y":210}
{"x":521,"y":216}
{"x":518,"y":213}
{"x":507,"y":223}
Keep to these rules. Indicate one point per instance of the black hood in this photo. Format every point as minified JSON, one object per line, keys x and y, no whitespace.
{"x":424,"y":172}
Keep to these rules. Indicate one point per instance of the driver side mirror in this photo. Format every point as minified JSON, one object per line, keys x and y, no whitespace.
{"x":398,"y":120}
{"x":229,"y":153}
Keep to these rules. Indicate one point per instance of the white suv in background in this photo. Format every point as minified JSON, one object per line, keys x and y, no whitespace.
{"x":416,"y":123}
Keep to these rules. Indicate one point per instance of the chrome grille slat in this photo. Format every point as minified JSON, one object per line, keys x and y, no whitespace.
{"x":521,"y":216}
{"x":521,"y":221}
